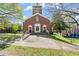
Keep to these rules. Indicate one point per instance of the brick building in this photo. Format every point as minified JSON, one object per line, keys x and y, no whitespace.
{"x":37,"y":23}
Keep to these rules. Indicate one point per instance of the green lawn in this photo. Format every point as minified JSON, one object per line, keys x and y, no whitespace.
{"x":58,"y":37}
{"x":9,"y":36}
{"x":27,"y":51}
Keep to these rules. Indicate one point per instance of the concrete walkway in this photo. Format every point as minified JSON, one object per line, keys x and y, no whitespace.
{"x":42,"y":41}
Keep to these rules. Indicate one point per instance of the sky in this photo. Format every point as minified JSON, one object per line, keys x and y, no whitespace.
{"x":27,"y":9}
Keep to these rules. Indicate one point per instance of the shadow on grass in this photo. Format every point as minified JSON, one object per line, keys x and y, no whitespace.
{"x":53,"y":37}
{"x":4,"y":46}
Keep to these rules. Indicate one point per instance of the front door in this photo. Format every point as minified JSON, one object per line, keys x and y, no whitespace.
{"x":37,"y":28}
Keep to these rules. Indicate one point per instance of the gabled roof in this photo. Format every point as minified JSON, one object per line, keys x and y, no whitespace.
{"x":37,"y":14}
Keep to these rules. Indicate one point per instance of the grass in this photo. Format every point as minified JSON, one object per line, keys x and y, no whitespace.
{"x":58,"y":37}
{"x":28,"y":51}
{"x":9,"y":37}
{"x":4,"y":46}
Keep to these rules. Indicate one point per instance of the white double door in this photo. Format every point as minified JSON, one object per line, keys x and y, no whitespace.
{"x":37,"y":28}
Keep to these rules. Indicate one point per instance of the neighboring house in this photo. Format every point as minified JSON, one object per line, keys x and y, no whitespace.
{"x":37,"y":23}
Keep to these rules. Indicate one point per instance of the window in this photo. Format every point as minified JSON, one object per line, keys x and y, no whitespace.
{"x":37,"y":28}
{"x":29,"y":28}
{"x":44,"y":28}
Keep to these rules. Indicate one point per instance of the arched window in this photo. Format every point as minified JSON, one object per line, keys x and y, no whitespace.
{"x":44,"y":28}
{"x":30,"y":28}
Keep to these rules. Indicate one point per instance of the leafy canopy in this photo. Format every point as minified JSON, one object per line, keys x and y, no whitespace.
{"x":10,"y":10}
{"x":58,"y":23}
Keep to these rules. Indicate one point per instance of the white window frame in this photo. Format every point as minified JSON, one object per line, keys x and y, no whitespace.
{"x":37,"y":24}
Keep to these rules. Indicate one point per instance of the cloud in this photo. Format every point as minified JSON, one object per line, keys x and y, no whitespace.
{"x":28,"y":8}
{"x":77,"y":17}
{"x":51,"y":5}
{"x":43,"y":5}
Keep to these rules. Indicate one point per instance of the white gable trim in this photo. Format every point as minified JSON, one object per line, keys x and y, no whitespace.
{"x":35,"y":15}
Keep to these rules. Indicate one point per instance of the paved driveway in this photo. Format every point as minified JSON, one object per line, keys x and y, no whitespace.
{"x":42,"y":41}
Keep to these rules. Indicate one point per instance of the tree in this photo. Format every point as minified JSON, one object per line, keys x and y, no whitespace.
{"x":10,"y":10}
{"x":50,"y":8}
{"x":1,"y":25}
{"x":4,"y":25}
{"x":72,"y":12}
{"x":58,"y":23}
{"x":15,"y":27}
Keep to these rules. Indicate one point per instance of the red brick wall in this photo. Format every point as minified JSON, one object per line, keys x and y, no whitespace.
{"x":32,"y":21}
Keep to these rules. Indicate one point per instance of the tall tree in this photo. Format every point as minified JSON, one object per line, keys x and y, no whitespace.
{"x":9,"y":11}
{"x":50,"y":9}
{"x":58,"y":23}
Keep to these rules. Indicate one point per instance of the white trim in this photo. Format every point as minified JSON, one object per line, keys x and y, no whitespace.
{"x":30,"y":26}
{"x":44,"y":26}
{"x":37,"y":24}
{"x":35,"y":15}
